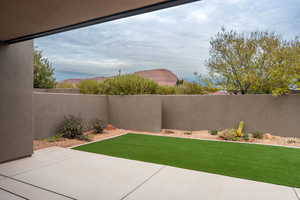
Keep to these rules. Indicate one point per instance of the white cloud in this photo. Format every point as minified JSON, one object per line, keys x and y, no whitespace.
{"x":199,"y":16}
{"x":233,"y":1}
{"x":175,"y":38}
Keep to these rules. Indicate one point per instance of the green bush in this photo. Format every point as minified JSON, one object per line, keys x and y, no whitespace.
{"x":89,"y":86}
{"x":72,"y":127}
{"x":86,"y":138}
{"x":246,"y":136}
{"x":65,"y":85}
{"x":133,"y":84}
{"x":213,"y":132}
{"x":184,"y":88}
{"x":166,"y":90}
{"x":188,"y":133}
{"x":258,"y":135}
{"x":128,"y":85}
{"x":54,"y":138}
{"x":98,"y":125}
{"x":209,"y":89}
{"x":190,"y":88}
{"x":228,"y":134}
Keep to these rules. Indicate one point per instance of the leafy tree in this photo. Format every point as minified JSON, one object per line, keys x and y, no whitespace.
{"x":260,"y":62}
{"x":43,"y":72}
{"x":208,"y":84}
{"x":297,"y":86}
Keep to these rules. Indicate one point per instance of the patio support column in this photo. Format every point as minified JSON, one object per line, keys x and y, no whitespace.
{"x":16,"y":135}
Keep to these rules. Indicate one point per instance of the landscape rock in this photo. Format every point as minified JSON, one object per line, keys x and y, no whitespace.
{"x":110,"y":127}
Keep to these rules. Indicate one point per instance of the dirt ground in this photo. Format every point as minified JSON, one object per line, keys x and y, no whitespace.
{"x":63,"y":142}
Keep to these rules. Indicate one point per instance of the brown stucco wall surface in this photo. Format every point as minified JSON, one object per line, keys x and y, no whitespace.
{"x":50,"y":109}
{"x":136,"y":112}
{"x":16,"y":101}
{"x":59,"y":90}
{"x":278,"y":115}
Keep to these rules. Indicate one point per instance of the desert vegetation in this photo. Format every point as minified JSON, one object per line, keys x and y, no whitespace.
{"x":74,"y":127}
{"x":65,"y":85}
{"x":133,"y":84}
{"x":43,"y":72}
{"x":254,"y":63}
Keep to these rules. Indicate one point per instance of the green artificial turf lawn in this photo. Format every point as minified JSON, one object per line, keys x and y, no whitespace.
{"x":271,"y":164}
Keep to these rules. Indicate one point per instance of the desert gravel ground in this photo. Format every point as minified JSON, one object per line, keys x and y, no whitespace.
{"x":203,"y":134}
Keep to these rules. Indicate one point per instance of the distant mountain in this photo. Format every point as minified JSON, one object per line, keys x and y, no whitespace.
{"x":160,"y":76}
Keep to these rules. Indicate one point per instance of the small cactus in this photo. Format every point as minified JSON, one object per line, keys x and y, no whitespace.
{"x":239,"y":131}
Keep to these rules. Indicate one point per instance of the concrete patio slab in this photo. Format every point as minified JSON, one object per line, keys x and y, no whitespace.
{"x":91,"y":177}
{"x":1,"y":177}
{"x":46,"y":150}
{"x":234,"y":188}
{"x":176,"y":184}
{"x":28,"y":191}
{"x":297,"y":190}
{"x":8,"y":196}
{"x":70,"y":174}
{"x":39,"y":159}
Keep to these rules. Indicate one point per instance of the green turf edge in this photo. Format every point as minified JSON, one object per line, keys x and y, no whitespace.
{"x":255,"y":177}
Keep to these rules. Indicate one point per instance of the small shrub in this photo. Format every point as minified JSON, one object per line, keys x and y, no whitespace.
{"x":213,"y":132}
{"x":54,"y":138}
{"x":89,"y":87}
{"x":258,"y":135}
{"x":228,"y":134}
{"x":187,"y":133}
{"x":169,"y":132}
{"x":246,"y":137}
{"x":98,"y":125}
{"x":85,"y":138}
{"x":236,"y":138}
{"x":292,"y":140}
{"x":72,"y":127}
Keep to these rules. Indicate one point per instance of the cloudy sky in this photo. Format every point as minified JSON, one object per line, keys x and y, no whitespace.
{"x":175,"y":38}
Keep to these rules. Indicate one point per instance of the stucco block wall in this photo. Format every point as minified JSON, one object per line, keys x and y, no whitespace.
{"x":278,"y":115}
{"x":136,"y":112}
{"x":59,"y":90}
{"x":16,"y":100}
{"x":50,"y":109}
